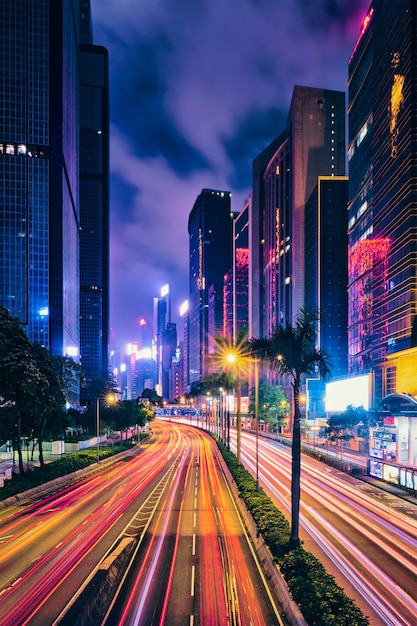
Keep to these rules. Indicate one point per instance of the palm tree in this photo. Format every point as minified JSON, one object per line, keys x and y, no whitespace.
{"x":292,"y":352}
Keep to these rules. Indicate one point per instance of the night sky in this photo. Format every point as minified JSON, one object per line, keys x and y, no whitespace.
{"x":198,"y":88}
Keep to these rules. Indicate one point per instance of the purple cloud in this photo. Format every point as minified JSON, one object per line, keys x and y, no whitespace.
{"x":197,"y":91}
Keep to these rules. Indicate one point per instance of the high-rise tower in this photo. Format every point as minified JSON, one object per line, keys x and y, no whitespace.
{"x":210,"y":229}
{"x":94,"y":206}
{"x":382,"y":216}
{"x":326,"y":266}
{"x":312,"y":145}
{"x":39,"y":191}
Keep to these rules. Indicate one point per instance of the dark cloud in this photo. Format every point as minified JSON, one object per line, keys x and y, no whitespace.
{"x":254,"y":133}
{"x":322,"y":15}
{"x":139,"y":92}
{"x":198,"y":90}
{"x":123,"y":193}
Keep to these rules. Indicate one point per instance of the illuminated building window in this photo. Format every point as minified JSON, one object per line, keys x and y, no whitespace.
{"x":362,"y":208}
{"x":363,"y":132}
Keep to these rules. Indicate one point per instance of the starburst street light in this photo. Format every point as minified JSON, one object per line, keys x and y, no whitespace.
{"x":109,"y":398}
{"x":235,"y":356}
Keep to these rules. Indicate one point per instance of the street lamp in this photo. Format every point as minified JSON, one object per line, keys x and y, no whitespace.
{"x":98,"y":428}
{"x":233,"y":360}
{"x":257,"y":422}
{"x":110,"y":398}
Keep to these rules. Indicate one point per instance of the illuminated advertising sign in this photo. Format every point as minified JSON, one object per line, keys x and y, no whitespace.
{"x":353,"y":391}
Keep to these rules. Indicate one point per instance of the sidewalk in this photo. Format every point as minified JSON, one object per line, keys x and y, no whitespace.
{"x":388,"y":487}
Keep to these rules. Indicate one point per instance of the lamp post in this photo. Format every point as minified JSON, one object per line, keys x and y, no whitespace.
{"x":257,"y":423}
{"x":232,"y":359}
{"x":110,"y":398}
{"x":98,"y":428}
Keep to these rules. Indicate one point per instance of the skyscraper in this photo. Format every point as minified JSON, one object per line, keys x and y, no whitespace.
{"x":382,"y":213}
{"x":312,"y":145}
{"x":39,"y":190}
{"x":326,"y":267}
{"x":165,"y":340}
{"x":94,"y":206}
{"x":210,"y":230}
{"x":241,"y":233}
{"x":54,"y":178}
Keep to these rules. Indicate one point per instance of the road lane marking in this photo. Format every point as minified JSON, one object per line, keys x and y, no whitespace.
{"x":192,"y":579}
{"x":193,"y":544}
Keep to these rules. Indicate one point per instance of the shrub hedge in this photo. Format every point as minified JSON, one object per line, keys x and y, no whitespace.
{"x":320,"y":599}
{"x":61,"y":467}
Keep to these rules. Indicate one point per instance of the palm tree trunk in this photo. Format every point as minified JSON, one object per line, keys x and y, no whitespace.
{"x":19,"y":447}
{"x":238,"y":422}
{"x":296,"y":469}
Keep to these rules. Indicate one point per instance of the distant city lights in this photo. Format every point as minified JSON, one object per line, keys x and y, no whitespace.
{"x":146,"y":353}
{"x":184,"y":308}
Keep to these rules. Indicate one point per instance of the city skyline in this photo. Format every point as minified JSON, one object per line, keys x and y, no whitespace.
{"x":194,"y":97}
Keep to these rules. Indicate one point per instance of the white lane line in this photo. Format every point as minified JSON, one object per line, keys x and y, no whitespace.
{"x":192,"y":579}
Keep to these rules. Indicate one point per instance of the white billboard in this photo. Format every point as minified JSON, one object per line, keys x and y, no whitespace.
{"x":341,"y":393}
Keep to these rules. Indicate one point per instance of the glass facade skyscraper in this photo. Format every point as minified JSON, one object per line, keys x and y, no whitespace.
{"x":94,"y":207}
{"x":39,"y":206}
{"x":382,"y":224}
{"x":210,"y":230}
{"x":326,"y":266}
{"x":312,"y":145}
{"x":241,"y":231}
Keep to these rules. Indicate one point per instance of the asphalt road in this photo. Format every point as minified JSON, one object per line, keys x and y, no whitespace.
{"x":366,"y":537}
{"x":193,"y":563}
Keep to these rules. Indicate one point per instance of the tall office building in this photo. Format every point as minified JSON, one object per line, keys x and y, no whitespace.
{"x":326,"y":268}
{"x":210,"y":230}
{"x":39,"y":178}
{"x":185,"y":353}
{"x":312,"y":145}
{"x":382,"y":214}
{"x":165,"y":341}
{"x":94,"y":206}
{"x":227,"y":330}
{"x":241,"y":235}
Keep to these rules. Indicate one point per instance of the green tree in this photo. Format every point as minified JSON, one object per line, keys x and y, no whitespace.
{"x":19,"y":380}
{"x":144,"y":415}
{"x":152,"y":396}
{"x":273,"y":404}
{"x":122,"y":415}
{"x":292,"y":352}
{"x":49,"y":401}
{"x":340,"y":427}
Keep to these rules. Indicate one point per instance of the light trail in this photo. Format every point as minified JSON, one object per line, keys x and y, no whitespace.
{"x":373,"y":545}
